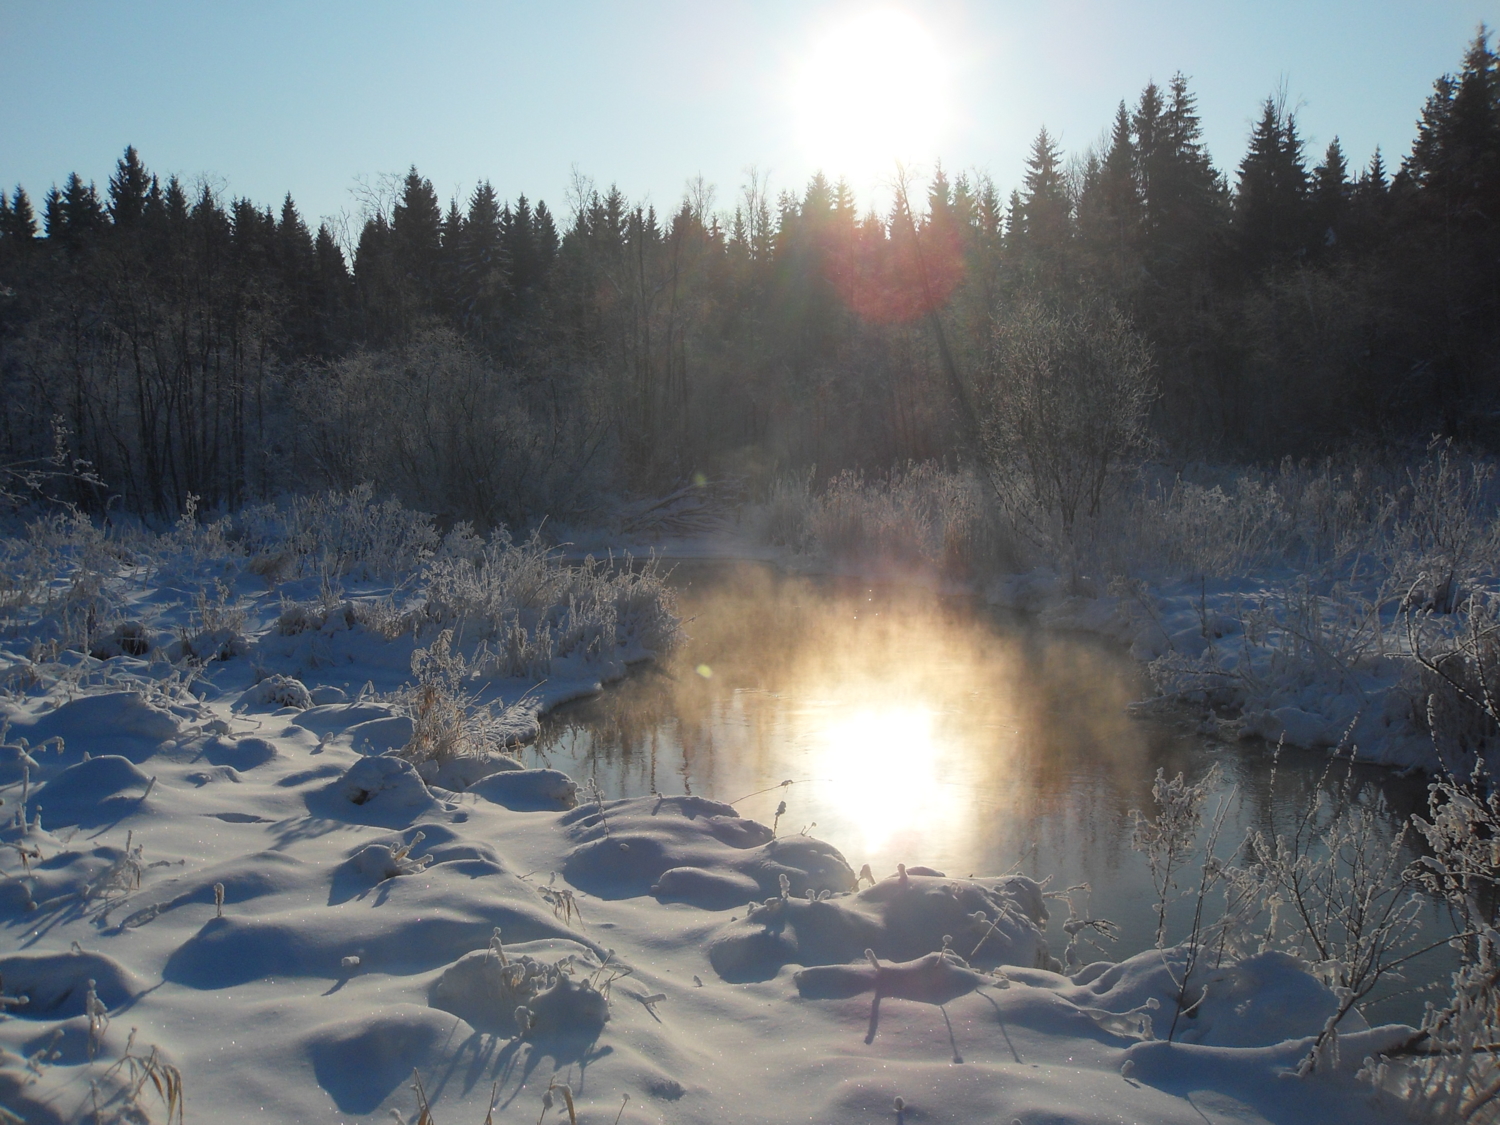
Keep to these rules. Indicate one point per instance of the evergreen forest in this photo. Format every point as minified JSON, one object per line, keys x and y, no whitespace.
{"x":498,"y":360}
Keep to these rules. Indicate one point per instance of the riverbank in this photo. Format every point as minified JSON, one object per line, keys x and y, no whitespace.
{"x":1341,"y":606}
{"x":262,"y":854}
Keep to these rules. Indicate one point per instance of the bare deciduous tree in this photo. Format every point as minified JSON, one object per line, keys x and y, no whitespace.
{"x":1064,"y":402}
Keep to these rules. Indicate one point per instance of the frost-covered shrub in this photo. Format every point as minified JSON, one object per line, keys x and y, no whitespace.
{"x":342,"y":534}
{"x":1445,"y":532}
{"x":1448,"y":1071}
{"x":472,"y":440}
{"x":215,"y":629}
{"x":528,"y":606}
{"x":200,"y":540}
{"x":1333,"y":889}
{"x":61,"y":581}
{"x":920,"y":515}
{"x":1062,"y":404}
{"x":1459,"y":686}
{"x":448,"y":721}
{"x":519,"y":994}
{"x":281,"y":691}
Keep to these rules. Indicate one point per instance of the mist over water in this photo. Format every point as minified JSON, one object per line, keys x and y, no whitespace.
{"x":920,"y":729}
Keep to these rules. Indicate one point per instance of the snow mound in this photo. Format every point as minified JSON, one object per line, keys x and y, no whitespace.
{"x":1261,"y":1000}
{"x":371,"y":728}
{"x":571,"y":1009}
{"x":934,"y":979}
{"x":245,"y":878}
{"x":461,"y":771}
{"x":902,"y":918}
{"x":115,"y":714}
{"x":526,"y":790}
{"x":62,"y":877}
{"x":380,"y":789}
{"x":57,"y":983}
{"x":411,"y":853}
{"x":397,"y":924}
{"x":361,"y":1061}
{"x":280,"y":691}
{"x":515,"y":993}
{"x":333,"y":718}
{"x":381,"y":736}
{"x":91,"y":792}
{"x":706,"y":852}
{"x":239,"y":753}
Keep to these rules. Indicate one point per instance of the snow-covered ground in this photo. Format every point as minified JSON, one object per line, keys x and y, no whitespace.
{"x":225,"y":881}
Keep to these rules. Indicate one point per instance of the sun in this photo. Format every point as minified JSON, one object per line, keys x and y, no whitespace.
{"x":872,"y":89}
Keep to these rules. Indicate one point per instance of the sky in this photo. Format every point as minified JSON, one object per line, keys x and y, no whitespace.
{"x":326,"y":100}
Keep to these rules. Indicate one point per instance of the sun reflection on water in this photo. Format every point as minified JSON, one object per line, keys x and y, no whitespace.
{"x":916,"y":729}
{"x":883,"y":768}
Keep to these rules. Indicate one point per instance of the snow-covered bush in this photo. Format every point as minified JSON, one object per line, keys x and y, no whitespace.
{"x":342,"y":534}
{"x":1333,"y":890}
{"x":281,"y":691}
{"x":215,"y":628}
{"x":448,"y":721}
{"x":920,"y":515}
{"x":528,"y":606}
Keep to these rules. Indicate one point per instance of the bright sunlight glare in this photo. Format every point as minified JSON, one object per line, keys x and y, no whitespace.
{"x":883,"y":763}
{"x":872,"y":90}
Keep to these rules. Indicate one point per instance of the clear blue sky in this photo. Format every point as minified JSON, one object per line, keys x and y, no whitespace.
{"x":270,"y":97}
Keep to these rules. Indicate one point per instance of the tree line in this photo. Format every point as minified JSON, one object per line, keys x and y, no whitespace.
{"x":489,"y":361}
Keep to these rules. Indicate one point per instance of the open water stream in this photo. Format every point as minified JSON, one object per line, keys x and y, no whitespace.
{"x":928,"y":730}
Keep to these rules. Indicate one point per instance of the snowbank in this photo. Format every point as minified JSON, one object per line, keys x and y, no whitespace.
{"x":294,"y":937}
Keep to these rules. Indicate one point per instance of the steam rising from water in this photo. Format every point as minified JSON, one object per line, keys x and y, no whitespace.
{"x":920,"y":730}
{"x":914,"y":730}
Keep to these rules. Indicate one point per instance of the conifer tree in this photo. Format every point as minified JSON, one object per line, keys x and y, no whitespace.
{"x":482,"y":267}
{"x":1045,"y":204}
{"x":20,"y":219}
{"x":416,"y":239}
{"x":1331,"y":193}
{"x":544,"y":238}
{"x":1119,"y":192}
{"x":129,"y":190}
{"x":1270,"y":203}
{"x":75,"y":213}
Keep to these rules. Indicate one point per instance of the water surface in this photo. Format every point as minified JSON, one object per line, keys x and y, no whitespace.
{"x":928,"y":730}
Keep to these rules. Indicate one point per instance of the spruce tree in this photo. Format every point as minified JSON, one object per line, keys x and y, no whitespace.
{"x":129,"y":190}
{"x":416,"y":241}
{"x":545,"y":238}
{"x":1271,"y":211}
{"x":1119,"y":190}
{"x":1045,"y":205}
{"x":1331,"y":193}
{"x":20,"y":218}
{"x":482,"y":269}
{"x":82,"y":212}
{"x":175,"y":204}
